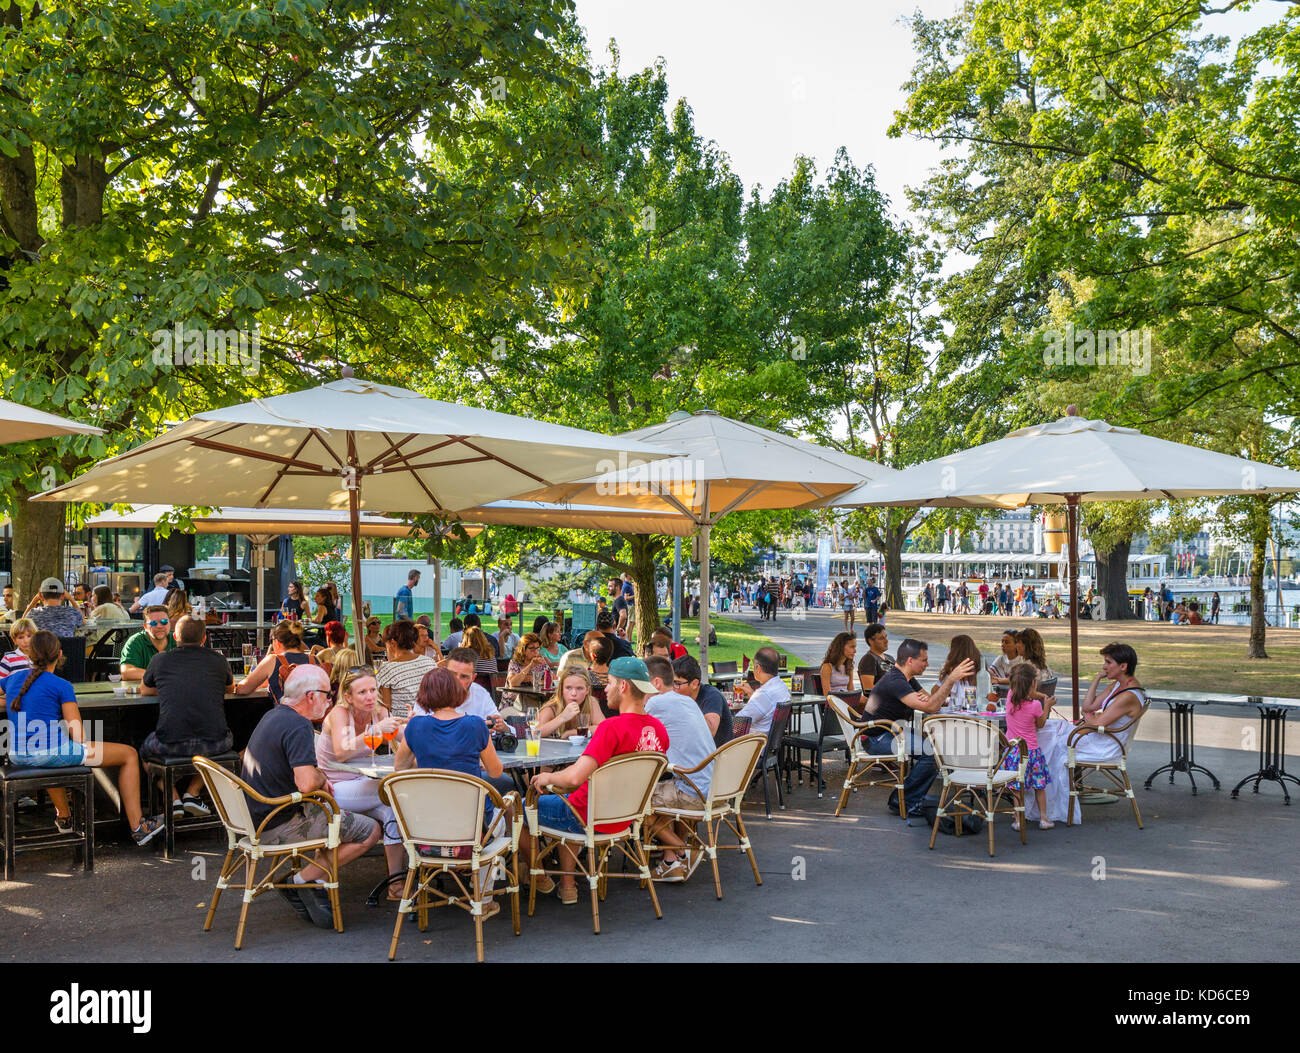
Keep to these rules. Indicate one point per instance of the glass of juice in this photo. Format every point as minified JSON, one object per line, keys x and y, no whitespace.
{"x":533,"y":743}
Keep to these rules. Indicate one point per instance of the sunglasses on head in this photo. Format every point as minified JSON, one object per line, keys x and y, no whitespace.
{"x":361,"y":669}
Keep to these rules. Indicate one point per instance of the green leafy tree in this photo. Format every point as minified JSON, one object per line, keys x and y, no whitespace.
{"x":344,"y":180}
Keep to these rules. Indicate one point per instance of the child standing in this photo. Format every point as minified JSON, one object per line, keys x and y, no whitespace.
{"x":1025,"y":715}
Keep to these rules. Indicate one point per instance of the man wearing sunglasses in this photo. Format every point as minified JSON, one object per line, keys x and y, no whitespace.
{"x":139,"y":649}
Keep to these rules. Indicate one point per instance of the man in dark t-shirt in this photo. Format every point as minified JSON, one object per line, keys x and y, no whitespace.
{"x":874,"y":662}
{"x":605,"y":625}
{"x":191,"y":684}
{"x":281,"y":760}
{"x":895,"y":696}
{"x":712,"y":703}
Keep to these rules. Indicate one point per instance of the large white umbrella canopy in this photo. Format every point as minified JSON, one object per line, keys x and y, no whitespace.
{"x":1069,"y":461}
{"x":724,"y":466}
{"x":21,"y":424}
{"x":350,"y":444}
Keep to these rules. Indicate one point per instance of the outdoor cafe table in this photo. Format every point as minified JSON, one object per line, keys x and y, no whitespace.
{"x":1272,"y":736}
{"x":554,"y":753}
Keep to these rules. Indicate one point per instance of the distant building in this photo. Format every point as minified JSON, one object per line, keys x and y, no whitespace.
{"x":1010,"y":532}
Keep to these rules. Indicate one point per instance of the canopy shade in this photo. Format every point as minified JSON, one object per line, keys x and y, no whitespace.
{"x":349,"y":443}
{"x":295,"y":521}
{"x":297,"y":450}
{"x":21,"y":424}
{"x":1041,"y":464}
{"x":724,"y":466}
{"x":1069,"y":461}
{"x":580,"y":517}
{"x":745,"y":467}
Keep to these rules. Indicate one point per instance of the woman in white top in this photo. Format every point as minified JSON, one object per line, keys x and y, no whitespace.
{"x":1121,"y":705}
{"x":341,"y":738}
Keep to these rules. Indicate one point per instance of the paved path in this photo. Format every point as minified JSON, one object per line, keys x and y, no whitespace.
{"x":1209,"y":879}
{"x":810,"y":635}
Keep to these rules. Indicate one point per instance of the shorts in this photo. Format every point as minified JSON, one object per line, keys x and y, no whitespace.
{"x":669,"y":795}
{"x":68,"y":755}
{"x":313,"y":825}
{"x":154,"y":749}
{"x":553,"y":810}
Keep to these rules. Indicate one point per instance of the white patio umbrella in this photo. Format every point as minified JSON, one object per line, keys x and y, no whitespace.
{"x":1069,"y":461}
{"x":725,"y":466}
{"x":350,"y":444}
{"x":20,"y":423}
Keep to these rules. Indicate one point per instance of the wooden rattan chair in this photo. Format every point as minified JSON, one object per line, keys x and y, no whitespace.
{"x":733,"y":767}
{"x":618,"y":792}
{"x":230,"y":794}
{"x":443,"y":811}
{"x":1115,"y":770}
{"x":969,"y":752}
{"x":871,"y":769}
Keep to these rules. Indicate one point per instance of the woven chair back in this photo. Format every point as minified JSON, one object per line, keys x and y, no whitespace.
{"x":964,"y":742}
{"x":227,"y":791}
{"x":619,"y":790}
{"x":443,"y":808}
{"x":733,"y":766}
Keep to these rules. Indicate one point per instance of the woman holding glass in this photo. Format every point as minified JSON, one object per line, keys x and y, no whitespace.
{"x":352,"y":731}
{"x":572,"y":710}
{"x":527,"y":660}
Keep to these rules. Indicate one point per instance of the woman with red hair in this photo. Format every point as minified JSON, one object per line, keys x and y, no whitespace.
{"x":336,"y":637}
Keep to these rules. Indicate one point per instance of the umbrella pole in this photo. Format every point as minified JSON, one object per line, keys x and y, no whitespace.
{"x":354,"y":515}
{"x":677,"y":590}
{"x":704,"y":585}
{"x":1072,"y":515}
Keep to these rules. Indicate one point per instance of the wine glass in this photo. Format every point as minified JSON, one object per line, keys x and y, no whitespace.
{"x":372,"y":737}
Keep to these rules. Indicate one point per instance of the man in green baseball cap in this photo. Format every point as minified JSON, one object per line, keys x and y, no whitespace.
{"x":632,"y":731}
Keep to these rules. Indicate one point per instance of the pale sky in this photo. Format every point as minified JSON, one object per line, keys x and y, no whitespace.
{"x":768,"y":79}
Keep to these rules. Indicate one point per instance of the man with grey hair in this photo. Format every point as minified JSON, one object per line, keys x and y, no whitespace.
{"x":281,"y":760}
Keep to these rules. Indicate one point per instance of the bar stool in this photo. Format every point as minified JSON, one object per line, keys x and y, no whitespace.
{"x":16,"y":782}
{"x":169,"y":771}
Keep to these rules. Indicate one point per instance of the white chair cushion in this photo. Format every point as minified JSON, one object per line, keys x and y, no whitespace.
{"x":979,"y":777}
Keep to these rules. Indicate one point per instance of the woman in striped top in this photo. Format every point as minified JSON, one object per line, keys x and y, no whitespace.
{"x":399,"y":677}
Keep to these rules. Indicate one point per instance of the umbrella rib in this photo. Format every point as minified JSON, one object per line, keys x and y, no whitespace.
{"x":522,"y":471}
{"x":444,"y":464}
{"x":222,"y":447}
{"x":743,"y":497}
{"x":680,"y":507}
{"x":283,"y":468}
{"x":405,"y":459}
{"x":391,"y":456}
{"x":328,"y":449}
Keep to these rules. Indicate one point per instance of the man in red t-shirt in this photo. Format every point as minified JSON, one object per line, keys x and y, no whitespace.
{"x":632,"y":731}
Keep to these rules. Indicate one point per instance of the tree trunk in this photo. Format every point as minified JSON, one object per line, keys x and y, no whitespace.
{"x":646,"y":614}
{"x":1259,"y":555}
{"x":38,"y":544}
{"x":890,"y":541}
{"x":1112,"y":582}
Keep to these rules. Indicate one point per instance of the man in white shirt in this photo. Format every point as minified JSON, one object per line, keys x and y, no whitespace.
{"x":769,"y":694}
{"x":507,"y":640}
{"x":154,"y":597}
{"x":478,"y":703}
{"x":689,"y":742}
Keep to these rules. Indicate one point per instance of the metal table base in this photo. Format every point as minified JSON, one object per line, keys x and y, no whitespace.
{"x":1182,"y":748}
{"x":1272,"y":752}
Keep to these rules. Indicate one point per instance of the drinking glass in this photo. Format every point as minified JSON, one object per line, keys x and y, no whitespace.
{"x":584,"y":722}
{"x":533,"y":742}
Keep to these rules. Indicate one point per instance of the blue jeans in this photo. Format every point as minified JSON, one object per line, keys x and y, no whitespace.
{"x":553,"y":811}
{"x":65,"y":755}
{"x":920,"y":774}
